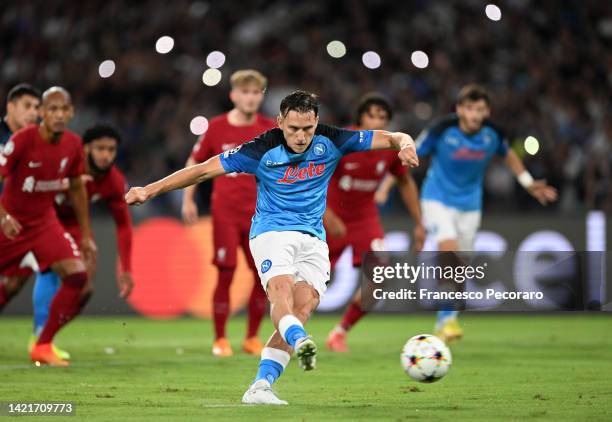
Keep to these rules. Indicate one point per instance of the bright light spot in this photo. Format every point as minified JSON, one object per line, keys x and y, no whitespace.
{"x":198,"y":125}
{"x":531,"y":145}
{"x":211,"y":77}
{"x":371,"y":60}
{"x":336,"y":49}
{"x":106,"y":68}
{"x":164,"y":44}
{"x":215,"y":59}
{"x":493,"y":12}
{"x":422,"y":110}
{"x":419,"y":59}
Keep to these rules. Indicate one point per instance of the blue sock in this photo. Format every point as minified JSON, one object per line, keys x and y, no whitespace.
{"x":445,"y":314}
{"x":269,"y":370}
{"x":45,"y":287}
{"x":291,"y":329}
{"x":272,"y":364}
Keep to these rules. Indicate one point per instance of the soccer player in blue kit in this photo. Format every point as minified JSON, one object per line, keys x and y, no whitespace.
{"x":293,"y":165}
{"x":461,"y":146}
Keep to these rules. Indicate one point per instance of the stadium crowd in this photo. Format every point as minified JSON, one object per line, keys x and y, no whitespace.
{"x":548,"y":65}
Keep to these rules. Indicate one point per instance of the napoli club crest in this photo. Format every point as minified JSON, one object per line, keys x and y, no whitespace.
{"x":319,"y":149}
{"x":265,"y":266}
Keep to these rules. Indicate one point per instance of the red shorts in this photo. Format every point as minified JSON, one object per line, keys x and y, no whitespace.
{"x":362,"y":235}
{"x":230,"y":232}
{"x":36,"y":248}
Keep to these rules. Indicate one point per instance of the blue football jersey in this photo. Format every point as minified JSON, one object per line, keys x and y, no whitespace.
{"x":459,"y":161}
{"x":292,"y":188}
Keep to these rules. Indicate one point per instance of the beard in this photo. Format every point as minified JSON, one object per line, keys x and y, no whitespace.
{"x":95,"y":168}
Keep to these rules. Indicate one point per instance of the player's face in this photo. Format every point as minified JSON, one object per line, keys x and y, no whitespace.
{"x":247,"y":98}
{"x":472,"y":114}
{"x":102,"y":152}
{"x":56,"y":112}
{"x":24,"y":110}
{"x":298,"y":129}
{"x":374,"y":118}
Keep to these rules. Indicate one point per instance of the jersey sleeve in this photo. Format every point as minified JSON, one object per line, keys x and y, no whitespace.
{"x":11,"y":154}
{"x":202,"y":150}
{"x":346,"y":140}
{"x":246,"y":157}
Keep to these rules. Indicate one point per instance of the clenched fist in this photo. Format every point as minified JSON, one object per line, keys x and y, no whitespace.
{"x":137,"y":196}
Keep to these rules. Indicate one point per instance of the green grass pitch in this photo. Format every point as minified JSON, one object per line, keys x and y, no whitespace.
{"x":520,"y":367}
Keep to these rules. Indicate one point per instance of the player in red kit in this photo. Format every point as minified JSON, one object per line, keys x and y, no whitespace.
{"x":33,"y":165}
{"x":232,"y":204}
{"x":106,"y":184}
{"x":352,"y":218}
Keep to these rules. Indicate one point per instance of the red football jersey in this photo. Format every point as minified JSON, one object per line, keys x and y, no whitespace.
{"x":353,"y":184}
{"x":231,"y":192}
{"x":34,"y":169}
{"x":109,"y":188}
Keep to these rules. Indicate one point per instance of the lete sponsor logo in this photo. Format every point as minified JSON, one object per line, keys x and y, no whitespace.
{"x":294,"y":173}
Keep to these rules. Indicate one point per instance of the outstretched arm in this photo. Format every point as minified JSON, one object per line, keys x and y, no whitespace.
{"x":188,"y":176}
{"x":189,"y":209}
{"x":397,"y":140}
{"x":539,"y":189}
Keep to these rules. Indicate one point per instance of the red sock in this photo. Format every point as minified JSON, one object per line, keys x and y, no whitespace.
{"x":3,"y":296}
{"x":257,"y":308}
{"x":221,"y":303}
{"x":84,"y":300}
{"x":64,"y":307}
{"x":351,"y":316}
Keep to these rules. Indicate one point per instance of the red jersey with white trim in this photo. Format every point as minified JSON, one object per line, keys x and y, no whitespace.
{"x":353,"y":184}
{"x":110,"y":188}
{"x":235,"y":192}
{"x":33,"y":170}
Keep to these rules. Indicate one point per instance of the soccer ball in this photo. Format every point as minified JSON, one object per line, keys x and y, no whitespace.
{"x":425,"y":358}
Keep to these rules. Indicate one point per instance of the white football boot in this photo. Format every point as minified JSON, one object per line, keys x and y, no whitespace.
{"x":260,"y":392}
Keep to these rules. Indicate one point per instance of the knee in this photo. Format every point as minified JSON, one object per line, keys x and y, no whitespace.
{"x":88,"y":288}
{"x":14,"y":284}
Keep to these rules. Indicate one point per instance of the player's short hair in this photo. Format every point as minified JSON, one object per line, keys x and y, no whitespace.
{"x":20,"y":90}
{"x":473,"y":92}
{"x":101,"y":130}
{"x":373,"y":99}
{"x":300,"y":101}
{"x":248,"y":76}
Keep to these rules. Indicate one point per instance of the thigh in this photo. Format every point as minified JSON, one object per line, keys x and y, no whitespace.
{"x":274,"y":254}
{"x":336,"y":246}
{"x":16,"y":256}
{"x":226,"y":239}
{"x":439,"y":220}
{"x":366,"y":236}
{"x":313,"y":264}
{"x":468,"y":223}
{"x":55,"y":244}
